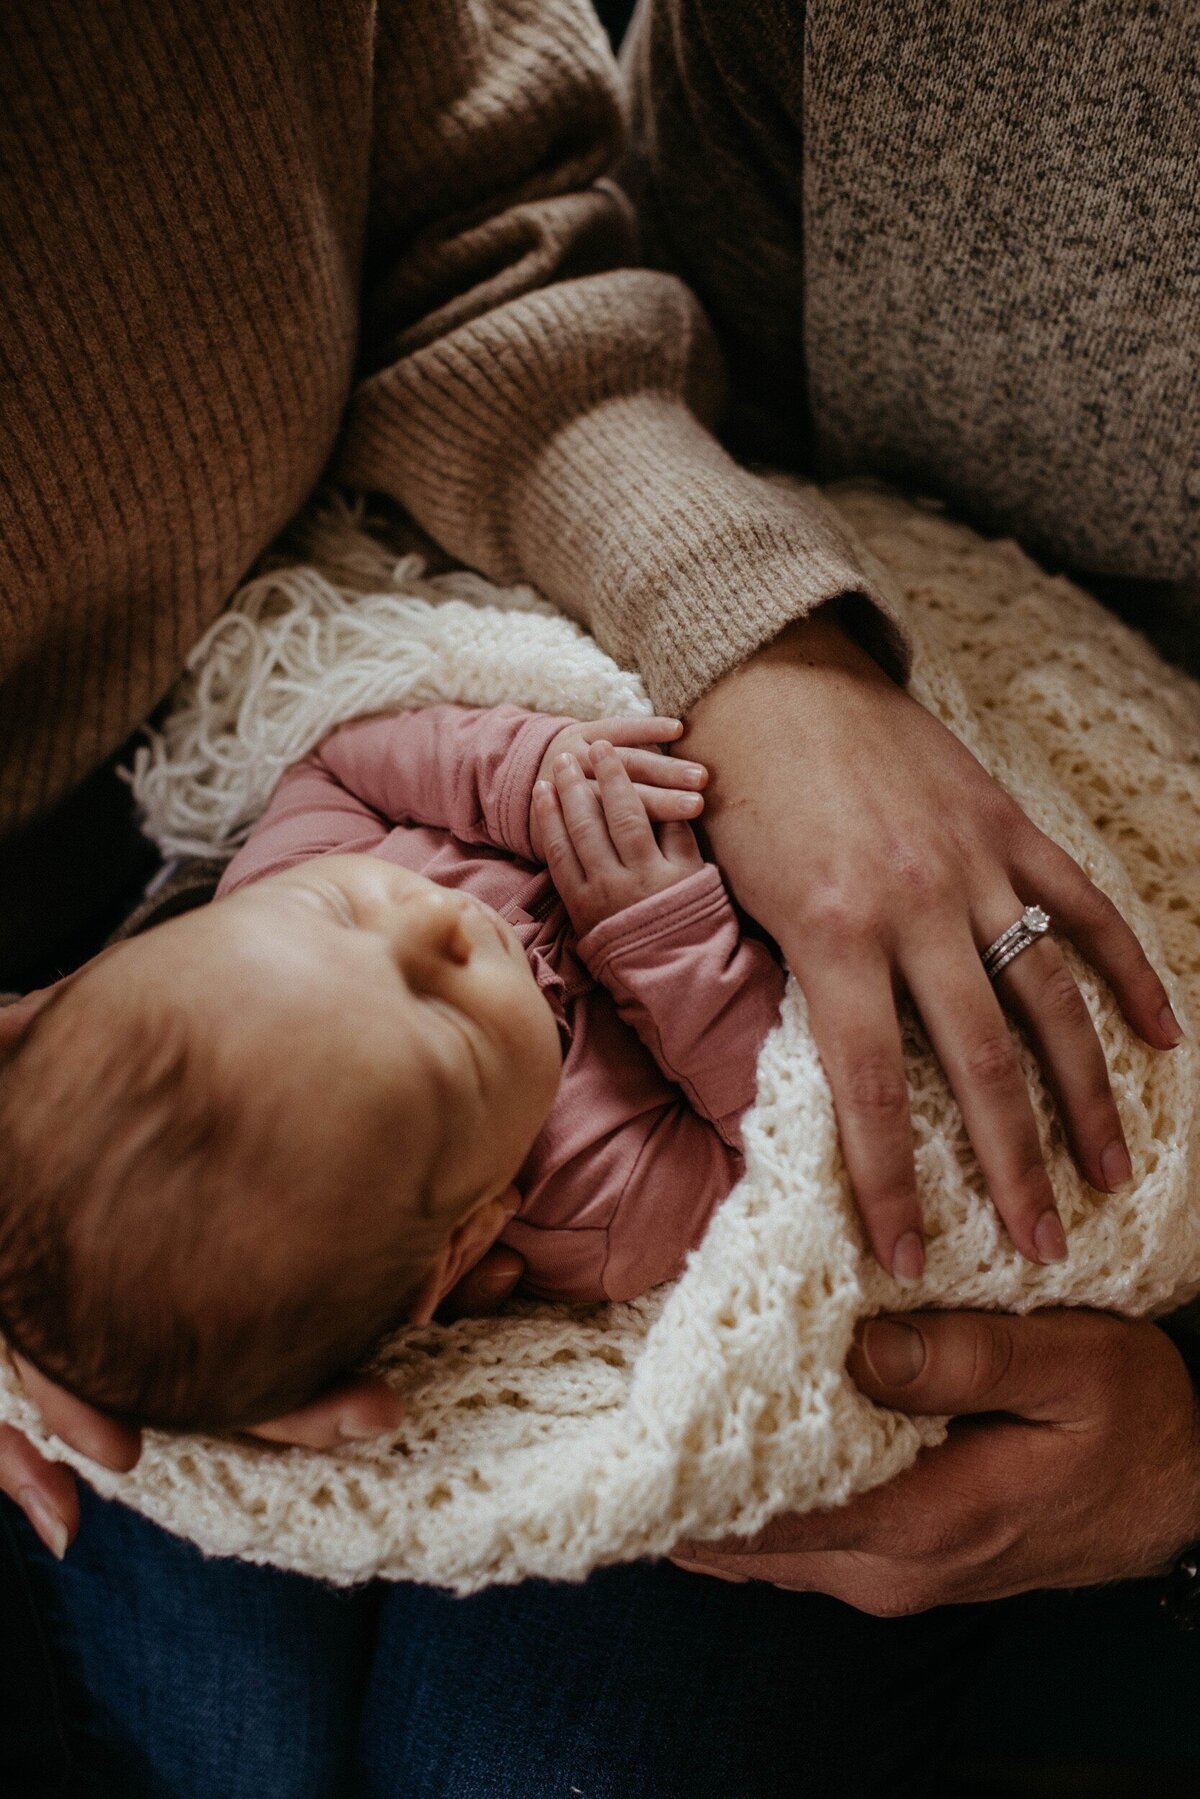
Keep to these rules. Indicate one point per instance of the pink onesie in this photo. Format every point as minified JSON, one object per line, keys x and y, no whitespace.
{"x":661,"y":1009}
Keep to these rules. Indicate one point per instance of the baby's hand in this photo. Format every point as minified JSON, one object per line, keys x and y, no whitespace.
{"x":599,"y":842}
{"x":667,"y":785}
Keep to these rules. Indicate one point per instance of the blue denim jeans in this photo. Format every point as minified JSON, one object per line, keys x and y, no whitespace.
{"x":180,"y":1678}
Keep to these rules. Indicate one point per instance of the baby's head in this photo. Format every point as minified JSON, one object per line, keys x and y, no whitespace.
{"x":238,"y":1148}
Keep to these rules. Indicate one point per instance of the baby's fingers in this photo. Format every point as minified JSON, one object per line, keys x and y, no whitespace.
{"x":624,"y":810}
{"x":649,"y":768}
{"x":584,"y":819}
{"x":677,"y":841}
{"x":557,"y":848}
{"x":358,"y":1410}
{"x":665,"y":805}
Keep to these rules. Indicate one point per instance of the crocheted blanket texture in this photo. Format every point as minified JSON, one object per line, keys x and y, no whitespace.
{"x":549,"y":1441}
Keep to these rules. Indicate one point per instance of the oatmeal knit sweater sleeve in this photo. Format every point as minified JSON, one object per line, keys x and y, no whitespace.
{"x":243,"y":245}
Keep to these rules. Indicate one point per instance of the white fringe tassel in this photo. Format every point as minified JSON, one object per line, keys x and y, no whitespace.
{"x":350,"y":630}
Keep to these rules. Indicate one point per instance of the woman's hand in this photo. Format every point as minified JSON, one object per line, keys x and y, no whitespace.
{"x":357,"y":1410}
{"x":668,"y":786}
{"x":883,"y":859}
{"x":1082,"y":1465}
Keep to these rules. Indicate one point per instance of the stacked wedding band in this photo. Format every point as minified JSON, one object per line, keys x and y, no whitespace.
{"x":1032,"y":924}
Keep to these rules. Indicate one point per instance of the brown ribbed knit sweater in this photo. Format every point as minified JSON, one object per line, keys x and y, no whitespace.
{"x":237,"y":241}
{"x":950,"y":243}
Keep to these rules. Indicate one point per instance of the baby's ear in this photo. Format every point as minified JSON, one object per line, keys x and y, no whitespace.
{"x":466,"y":1244}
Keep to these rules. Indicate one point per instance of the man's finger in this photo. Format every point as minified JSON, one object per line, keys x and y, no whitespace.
{"x":965,"y":1362}
{"x":943,"y":1509}
{"x":45,"y":1491}
{"x":841,"y":1529}
{"x":101,"y":1439}
{"x":484,"y":1288}
{"x":356,"y":1412}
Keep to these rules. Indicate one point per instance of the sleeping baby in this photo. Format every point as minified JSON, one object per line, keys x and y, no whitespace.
{"x":469,"y":980}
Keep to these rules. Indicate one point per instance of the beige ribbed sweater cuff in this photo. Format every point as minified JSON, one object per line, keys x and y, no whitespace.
{"x":554,"y":441}
{"x":681,"y":562}
{"x":632,"y":518}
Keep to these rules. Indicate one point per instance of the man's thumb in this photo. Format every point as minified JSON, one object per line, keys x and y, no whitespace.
{"x":969,"y":1362}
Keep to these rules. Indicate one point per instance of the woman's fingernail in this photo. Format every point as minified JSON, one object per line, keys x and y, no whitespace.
{"x":1115,"y":1165}
{"x":908,"y":1257}
{"x":692,"y":802}
{"x":45,"y":1520}
{"x":1049,"y":1239}
{"x":694,"y":775}
{"x":1170,"y":1027}
{"x":895,"y":1352}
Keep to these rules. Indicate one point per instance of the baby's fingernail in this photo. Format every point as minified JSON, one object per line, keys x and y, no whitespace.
{"x":908,"y":1257}
{"x":691,"y":802}
{"x":1170,"y":1027}
{"x":45,"y":1520}
{"x":1049,"y":1239}
{"x":564,"y":761}
{"x":693,"y":775}
{"x":895,"y":1353}
{"x":1115,"y":1165}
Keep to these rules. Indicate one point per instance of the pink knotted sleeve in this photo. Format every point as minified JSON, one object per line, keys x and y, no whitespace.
{"x":311,"y":814}
{"x":467,"y":771}
{"x":700,"y":994}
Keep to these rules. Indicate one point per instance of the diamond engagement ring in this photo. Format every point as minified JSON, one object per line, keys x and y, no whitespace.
{"x":1032,"y":924}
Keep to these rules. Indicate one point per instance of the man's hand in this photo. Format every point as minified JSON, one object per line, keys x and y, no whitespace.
{"x":882,"y":857}
{"x":601,"y":849}
{"x":354,"y":1412}
{"x":1076,"y":1461}
{"x":668,"y":786}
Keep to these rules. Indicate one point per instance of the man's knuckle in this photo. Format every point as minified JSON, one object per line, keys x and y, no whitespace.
{"x":991,"y":1357}
{"x":940,"y":1536}
{"x":1108,"y":1356}
{"x":899,"y":1600}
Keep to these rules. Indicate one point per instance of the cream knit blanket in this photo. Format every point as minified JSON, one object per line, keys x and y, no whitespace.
{"x":549,"y":1441}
